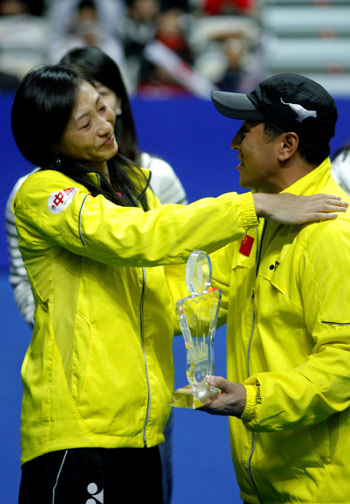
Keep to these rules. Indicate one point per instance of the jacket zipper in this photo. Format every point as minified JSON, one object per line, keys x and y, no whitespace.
{"x":258,"y":257}
{"x":144,"y":354}
{"x":142,"y":299}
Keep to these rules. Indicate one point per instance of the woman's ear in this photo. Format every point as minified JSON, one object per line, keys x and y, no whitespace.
{"x":289,"y":145}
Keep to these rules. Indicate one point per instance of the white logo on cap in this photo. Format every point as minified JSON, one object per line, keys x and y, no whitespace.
{"x":60,"y":200}
{"x":300,"y":111}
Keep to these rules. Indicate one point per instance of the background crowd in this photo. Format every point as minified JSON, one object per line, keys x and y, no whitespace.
{"x":162,"y":47}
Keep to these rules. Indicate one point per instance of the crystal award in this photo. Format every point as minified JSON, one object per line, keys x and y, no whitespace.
{"x":197,"y":316}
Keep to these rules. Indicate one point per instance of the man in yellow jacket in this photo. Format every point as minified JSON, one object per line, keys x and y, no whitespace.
{"x":286,"y":299}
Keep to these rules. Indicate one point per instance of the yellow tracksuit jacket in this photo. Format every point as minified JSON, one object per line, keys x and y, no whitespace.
{"x":98,"y":371}
{"x":287,"y":303}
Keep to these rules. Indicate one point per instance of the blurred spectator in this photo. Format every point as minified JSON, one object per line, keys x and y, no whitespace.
{"x":23,"y":38}
{"x":139,"y":30}
{"x":159,"y":78}
{"x":233,"y":77}
{"x":95,"y":23}
{"x":155,"y":80}
{"x":171,"y":32}
{"x":229,"y":51}
{"x":222,"y":7}
{"x":34,"y":7}
{"x":167,"y":65}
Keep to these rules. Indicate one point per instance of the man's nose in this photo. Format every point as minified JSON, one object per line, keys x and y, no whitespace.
{"x":236,"y":141}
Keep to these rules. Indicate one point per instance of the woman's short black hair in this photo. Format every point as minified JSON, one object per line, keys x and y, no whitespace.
{"x":43,"y":104}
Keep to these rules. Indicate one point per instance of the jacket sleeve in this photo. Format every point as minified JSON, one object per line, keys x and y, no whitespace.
{"x":18,"y":277}
{"x":50,"y":212}
{"x":320,"y":386}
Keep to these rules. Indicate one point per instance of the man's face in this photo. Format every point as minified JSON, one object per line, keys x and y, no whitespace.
{"x":258,"y":155}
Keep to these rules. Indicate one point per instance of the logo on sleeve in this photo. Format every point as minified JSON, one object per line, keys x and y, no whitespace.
{"x":60,"y":200}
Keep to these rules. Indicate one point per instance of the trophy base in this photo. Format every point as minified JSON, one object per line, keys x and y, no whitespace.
{"x":192,"y":398}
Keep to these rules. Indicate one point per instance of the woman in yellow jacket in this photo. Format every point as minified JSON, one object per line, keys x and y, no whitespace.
{"x":98,"y":374}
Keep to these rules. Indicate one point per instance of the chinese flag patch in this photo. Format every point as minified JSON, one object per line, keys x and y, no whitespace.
{"x":246,"y":245}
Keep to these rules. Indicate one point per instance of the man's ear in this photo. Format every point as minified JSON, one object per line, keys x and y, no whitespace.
{"x":289,"y":145}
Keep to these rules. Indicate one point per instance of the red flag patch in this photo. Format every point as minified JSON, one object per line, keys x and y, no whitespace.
{"x":246,"y":245}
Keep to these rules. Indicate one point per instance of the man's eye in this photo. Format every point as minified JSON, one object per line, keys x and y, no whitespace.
{"x":103,"y":108}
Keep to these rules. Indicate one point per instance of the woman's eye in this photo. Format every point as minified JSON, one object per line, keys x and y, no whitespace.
{"x":103,"y":108}
{"x":86,"y":125}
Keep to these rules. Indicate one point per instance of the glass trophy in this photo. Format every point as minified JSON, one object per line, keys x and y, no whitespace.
{"x":197,"y":315}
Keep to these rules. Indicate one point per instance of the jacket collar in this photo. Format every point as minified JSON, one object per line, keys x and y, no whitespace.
{"x":95,"y":177}
{"x":314,"y":182}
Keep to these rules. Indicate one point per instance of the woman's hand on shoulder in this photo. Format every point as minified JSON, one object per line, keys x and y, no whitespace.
{"x":292,"y":209}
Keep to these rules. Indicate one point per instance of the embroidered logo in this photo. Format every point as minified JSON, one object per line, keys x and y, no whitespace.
{"x":258,"y":393}
{"x":300,"y":111}
{"x":92,"y":489}
{"x":60,"y":200}
{"x":274,"y":266}
{"x":246,"y":245}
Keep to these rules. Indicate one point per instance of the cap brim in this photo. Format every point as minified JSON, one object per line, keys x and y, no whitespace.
{"x":236,"y":106}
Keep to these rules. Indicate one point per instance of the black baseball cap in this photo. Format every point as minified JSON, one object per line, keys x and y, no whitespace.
{"x":288,"y":101}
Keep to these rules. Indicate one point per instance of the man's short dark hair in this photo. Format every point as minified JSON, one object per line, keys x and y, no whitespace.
{"x":313,"y":150}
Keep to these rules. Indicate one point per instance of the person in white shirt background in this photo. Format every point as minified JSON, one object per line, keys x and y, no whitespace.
{"x":341,"y":167}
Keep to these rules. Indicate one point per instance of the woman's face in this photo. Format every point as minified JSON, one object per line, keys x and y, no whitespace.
{"x":109,"y":97}
{"x":89,"y":134}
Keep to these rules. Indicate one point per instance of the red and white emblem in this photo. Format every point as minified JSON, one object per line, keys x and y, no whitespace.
{"x":60,"y":200}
